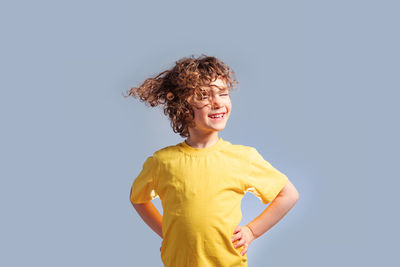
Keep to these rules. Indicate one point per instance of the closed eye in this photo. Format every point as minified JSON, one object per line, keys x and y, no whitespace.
{"x":205,"y":97}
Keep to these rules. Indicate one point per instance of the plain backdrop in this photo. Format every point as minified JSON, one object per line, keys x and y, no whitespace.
{"x":317,"y":96}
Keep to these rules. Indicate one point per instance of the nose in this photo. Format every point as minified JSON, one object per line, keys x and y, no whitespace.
{"x":216,"y":102}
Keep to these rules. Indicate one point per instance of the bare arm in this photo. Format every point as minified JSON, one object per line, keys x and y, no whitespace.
{"x":275,"y":211}
{"x":150,"y":215}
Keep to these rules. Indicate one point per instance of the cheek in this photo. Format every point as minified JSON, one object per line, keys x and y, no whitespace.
{"x":200,"y":114}
{"x":229,"y":106}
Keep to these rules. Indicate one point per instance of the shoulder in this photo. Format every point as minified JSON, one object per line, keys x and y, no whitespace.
{"x":240,"y":150}
{"x":165,"y":153}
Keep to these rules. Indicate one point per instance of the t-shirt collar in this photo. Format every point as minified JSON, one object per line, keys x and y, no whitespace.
{"x":200,"y":151}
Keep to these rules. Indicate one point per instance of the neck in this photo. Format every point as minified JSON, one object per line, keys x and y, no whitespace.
{"x":201,"y":139}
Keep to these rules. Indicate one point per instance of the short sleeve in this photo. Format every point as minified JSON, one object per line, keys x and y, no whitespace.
{"x":264,"y":181}
{"x":143,"y":187}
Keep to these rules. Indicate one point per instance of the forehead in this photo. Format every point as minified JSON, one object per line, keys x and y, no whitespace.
{"x":217,"y":85}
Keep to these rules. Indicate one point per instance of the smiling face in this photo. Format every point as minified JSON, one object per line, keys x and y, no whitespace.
{"x":212,"y":110}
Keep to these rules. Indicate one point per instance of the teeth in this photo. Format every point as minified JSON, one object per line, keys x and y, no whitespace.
{"x":217,"y":116}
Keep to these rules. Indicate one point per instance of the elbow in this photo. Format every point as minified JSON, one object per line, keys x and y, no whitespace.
{"x":290,"y":192}
{"x":295,"y":197}
{"x":294,"y":194}
{"x":130,"y":196}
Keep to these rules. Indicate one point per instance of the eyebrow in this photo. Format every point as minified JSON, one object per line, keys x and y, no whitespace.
{"x":217,"y":88}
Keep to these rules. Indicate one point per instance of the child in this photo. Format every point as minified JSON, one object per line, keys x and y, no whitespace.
{"x":202,"y":180}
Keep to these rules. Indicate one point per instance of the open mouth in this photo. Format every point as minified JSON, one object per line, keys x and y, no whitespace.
{"x":219,"y":116}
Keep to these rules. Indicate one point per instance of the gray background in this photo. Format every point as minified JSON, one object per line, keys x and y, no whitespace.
{"x":317,"y":96}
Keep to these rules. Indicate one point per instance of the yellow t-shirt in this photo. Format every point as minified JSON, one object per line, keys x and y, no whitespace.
{"x":201,"y":191}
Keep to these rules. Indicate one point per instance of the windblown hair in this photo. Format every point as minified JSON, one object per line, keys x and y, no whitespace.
{"x":174,"y":88}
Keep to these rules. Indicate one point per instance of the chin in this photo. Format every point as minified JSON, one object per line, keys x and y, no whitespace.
{"x":219,"y":129}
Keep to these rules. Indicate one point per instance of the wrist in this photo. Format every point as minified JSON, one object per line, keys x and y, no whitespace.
{"x":251,"y":230}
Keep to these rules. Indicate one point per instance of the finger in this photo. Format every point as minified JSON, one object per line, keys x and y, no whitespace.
{"x":237,"y":229}
{"x":240,"y":243}
{"x":236,"y":237}
{"x":244,"y":251}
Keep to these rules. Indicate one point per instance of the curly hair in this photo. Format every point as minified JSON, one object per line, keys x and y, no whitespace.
{"x":173,"y":88}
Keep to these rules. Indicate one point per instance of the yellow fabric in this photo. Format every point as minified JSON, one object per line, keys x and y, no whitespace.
{"x":201,"y":191}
